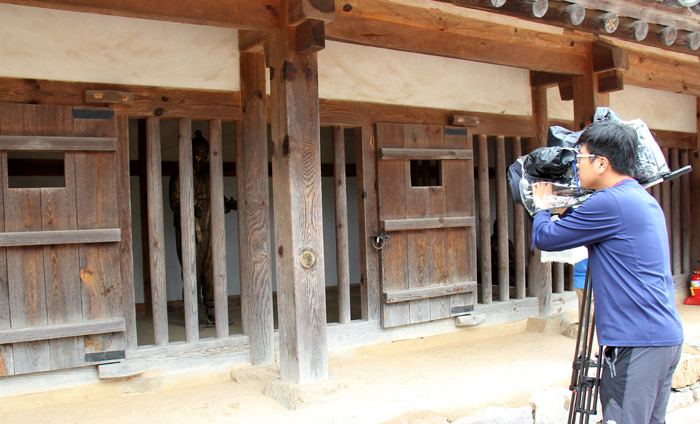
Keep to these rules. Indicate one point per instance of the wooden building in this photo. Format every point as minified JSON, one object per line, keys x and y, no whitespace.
{"x":409,"y":111}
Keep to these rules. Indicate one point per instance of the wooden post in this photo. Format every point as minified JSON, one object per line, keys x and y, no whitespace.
{"x":341,"y":225}
{"x":125,"y":247}
{"x":694,"y":193}
{"x":187,"y":239}
{"x":156,"y":246}
{"x":296,"y":164}
{"x":484,"y":219}
{"x":218,"y":232}
{"x":540,"y":274}
{"x":254,"y":212}
{"x":675,"y":229}
{"x":502,"y":217}
{"x":519,"y":231}
{"x":685,"y":216}
{"x":666,"y":203}
{"x":143,"y":190}
{"x":365,"y":149}
{"x":558,"y":277}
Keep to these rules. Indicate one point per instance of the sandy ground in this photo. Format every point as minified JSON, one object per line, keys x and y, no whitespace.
{"x":391,"y":383}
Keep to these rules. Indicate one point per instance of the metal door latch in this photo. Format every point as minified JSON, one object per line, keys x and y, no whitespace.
{"x":379,"y":241}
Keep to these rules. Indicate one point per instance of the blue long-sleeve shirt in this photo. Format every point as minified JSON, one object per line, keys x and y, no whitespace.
{"x":625,"y":231}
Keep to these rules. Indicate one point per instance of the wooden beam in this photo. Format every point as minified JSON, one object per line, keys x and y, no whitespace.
{"x":254,"y":213}
{"x":296,"y":161}
{"x":607,"y":56}
{"x":658,"y":72}
{"x":519,"y":244}
{"x":109,"y":97}
{"x":252,"y":41}
{"x":548,"y":79}
{"x":502,"y":219}
{"x":40,"y":238}
{"x":299,"y":11}
{"x":565,"y":12}
{"x":341,"y":225}
{"x":632,"y":29}
{"x":310,"y":37}
{"x":464,"y":121}
{"x":685,"y":215}
{"x":610,"y":81}
{"x":484,"y":218}
{"x":425,"y":154}
{"x":397,"y":296}
{"x":427,"y":223}
{"x":60,"y":331}
{"x":59,"y":144}
{"x":240,"y":14}
{"x":218,"y":231}
{"x":690,"y":39}
{"x":164,"y":102}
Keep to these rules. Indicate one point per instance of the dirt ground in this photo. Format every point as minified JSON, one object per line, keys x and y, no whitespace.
{"x":394,"y":383}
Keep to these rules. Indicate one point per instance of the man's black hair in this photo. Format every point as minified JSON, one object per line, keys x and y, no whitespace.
{"x":614,"y":140}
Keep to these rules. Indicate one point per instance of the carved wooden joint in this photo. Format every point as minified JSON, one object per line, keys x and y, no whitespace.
{"x":607,"y":56}
{"x":464,"y":120}
{"x":299,"y":11}
{"x":566,"y":90}
{"x":310,"y":37}
{"x":610,"y":81}
{"x":252,"y":41}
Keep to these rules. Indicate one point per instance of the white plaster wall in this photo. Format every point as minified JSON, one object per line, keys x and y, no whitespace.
{"x":351,"y":72}
{"x":69,"y":46}
{"x":661,"y":110}
{"x":558,"y":109}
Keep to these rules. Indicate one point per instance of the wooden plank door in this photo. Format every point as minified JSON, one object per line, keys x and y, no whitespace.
{"x":60,"y":291}
{"x":425,"y":179}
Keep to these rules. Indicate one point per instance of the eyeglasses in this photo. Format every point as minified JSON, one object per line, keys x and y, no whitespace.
{"x":582,"y":155}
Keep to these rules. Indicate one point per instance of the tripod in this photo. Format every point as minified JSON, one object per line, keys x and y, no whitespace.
{"x":584,"y":388}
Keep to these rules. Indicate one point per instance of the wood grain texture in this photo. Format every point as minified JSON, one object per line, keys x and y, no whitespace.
{"x":142,"y":166}
{"x":675,"y":228}
{"x":25,"y":265}
{"x":426,"y":154}
{"x":432,"y":293}
{"x":519,"y":243}
{"x":666,"y":205}
{"x":296,"y":163}
{"x":558,"y":277}
{"x":694,"y":189}
{"x":484,"y":219}
{"x":58,"y":237}
{"x":156,"y":248}
{"x":109,"y":97}
{"x":458,"y":180}
{"x":7,"y":366}
{"x":56,"y":143}
{"x":100,"y":264}
{"x":126,"y":254}
{"x":240,"y":14}
{"x":299,"y":11}
{"x":254,"y":212}
{"x":658,"y":72}
{"x":186,"y":213}
{"x":391,"y":195}
{"x":685,"y":215}
{"x":502,"y":217}
{"x":218,"y":231}
{"x":365,"y":149}
{"x":62,"y":331}
{"x":410,"y":224}
{"x":341,"y":225}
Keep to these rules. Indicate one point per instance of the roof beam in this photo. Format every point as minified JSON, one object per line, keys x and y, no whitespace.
{"x":241,"y":14}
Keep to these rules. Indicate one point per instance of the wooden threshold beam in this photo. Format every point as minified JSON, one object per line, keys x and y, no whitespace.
{"x":39,"y":143}
{"x":427,"y":223}
{"x":59,"y":331}
{"x":240,"y":14}
{"x":40,"y":238}
{"x":397,"y":296}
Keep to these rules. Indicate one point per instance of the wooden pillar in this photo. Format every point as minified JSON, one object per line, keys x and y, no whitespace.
{"x":558,"y":277}
{"x":484,"y":219}
{"x":341,"y":225}
{"x":502,"y":217}
{"x":143,"y":190}
{"x":156,"y":246}
{"x":675,"y":228}
{"x":125,"y":247}
{"x":365,"y":150}
{"x":254,"y":212}
{"x":685,"y":216}
{"x":666,"y":203}
{"x":296,"y":176}
{"x":519,"y":231}
{"x":218,"y":232}
{"x":187,"y":239}
{"x":694,"y":193}
{"x":540,"y":274}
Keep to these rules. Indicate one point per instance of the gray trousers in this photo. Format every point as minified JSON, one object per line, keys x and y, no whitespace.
{"x":636,"y":383}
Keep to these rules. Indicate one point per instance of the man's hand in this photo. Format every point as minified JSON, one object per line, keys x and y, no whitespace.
{"x":540,"y":191}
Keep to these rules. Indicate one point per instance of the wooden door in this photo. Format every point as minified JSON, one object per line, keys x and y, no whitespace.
{"x":425,"y":182}
{"x":60,"y":292}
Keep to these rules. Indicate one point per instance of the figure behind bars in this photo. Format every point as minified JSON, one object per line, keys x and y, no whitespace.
{"x":202,"y":223}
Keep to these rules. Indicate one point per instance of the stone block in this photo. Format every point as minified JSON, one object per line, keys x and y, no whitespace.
{"x":680,"y":400}
{"x":687,"y":372}
{"x":298,"y":396}
{"x":571,"y":331}
{"x":256,"y":373}
{"x":499,"y":415}
{"x":556,"y":323}
{"x":551,"y":405}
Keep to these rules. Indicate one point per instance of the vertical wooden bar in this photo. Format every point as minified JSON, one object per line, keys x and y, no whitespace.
{"x":143,"y":195}
{"x":558,"y":277}
{"x":656,"y":193}
{"x":365,"y":150}
{"x":188,"y":247}
{"x":61,"y":263}
{"x":7,"y":366}
{"x":296,"y":164}
{"x":502,"y":217}
{"x":666,"y":204}
{"x":541,"y":273}
{"x":694,"y":193}
{"x":25,"y":265}
{"x":156,"y":248}
{"x":685,"y":216}
{"x":675,"y":216}
{"x":254,"y":212}
{"x":341,"y":225}
{"x":126,"y":254}
{"x":519,"y":231}
{"x":218,"y":232}
{"x":484,"y":219}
